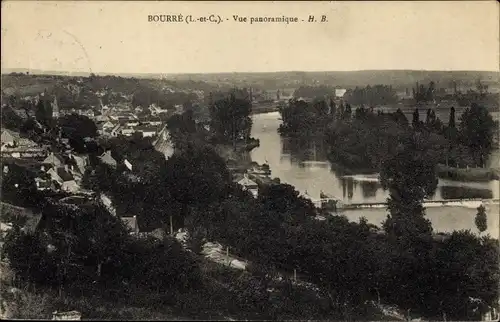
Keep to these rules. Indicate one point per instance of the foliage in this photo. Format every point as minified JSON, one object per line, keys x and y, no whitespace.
{"x":18,"y":186}
{"x":196,"y":176}
{"x":371,"y":95}
{"x":285,"y":200}
{"x":76,"y":246}
{"x":43,"y":111}
{"x":76,"y":128}
{"x":157,"y":265}
{"x":423,"y":94}
{"x":410,"y":178}
{"x":481,"y":220}
{"x":476,"y":131}
{"x":230,"y":116}
{"x":313,"y":92}
{"x":304,"y":119}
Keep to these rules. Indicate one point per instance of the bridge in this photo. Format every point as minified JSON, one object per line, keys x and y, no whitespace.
{"x":340,"y":205}
{"x":163,"y":143}
{"x":427,"y":203}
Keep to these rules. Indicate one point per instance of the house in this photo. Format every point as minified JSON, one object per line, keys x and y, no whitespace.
{"x":88,"y":113}
{"x":127,"y":164}
{"x":54,"y":176}
{"x":131,"y":123}
{"x":131,"y":224}
{"x":249,"y":185}
{"x":68,"y":181}
{"x":153,"y":121}
{"x":13,"y":145}
{"x":54,"y":159}
{"x":127,"y":131}
{"x":107,"y":158}
{"x":115,"y":130}
{"x":155,"y":110}
{"x":105,"y":128}
{"x":9,"y":138}
{"x":102,"y":118}
{"x":81,"y":161}
{"x":147,"y":130}
{"x":339,"y":92}
{"x":44,"y":184}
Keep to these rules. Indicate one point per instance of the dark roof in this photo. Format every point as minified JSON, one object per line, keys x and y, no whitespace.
{"x":130,"y":222}
{"x":65,"y":175}
{"x":146,"y":128}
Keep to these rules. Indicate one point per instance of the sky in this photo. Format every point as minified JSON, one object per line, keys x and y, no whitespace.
{"x":116,"y":37}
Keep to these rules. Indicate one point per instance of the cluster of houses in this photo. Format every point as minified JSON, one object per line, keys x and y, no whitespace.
{"x":123,"y":120}
{"x":57,"y":171}
{"x":249,"y":178}
{"x":13,"y":145}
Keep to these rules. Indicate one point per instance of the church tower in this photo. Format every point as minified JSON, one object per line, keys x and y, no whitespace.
{"x":55,"y":108}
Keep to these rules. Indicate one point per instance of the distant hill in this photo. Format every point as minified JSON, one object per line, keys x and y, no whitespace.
{"x":399,"y":79}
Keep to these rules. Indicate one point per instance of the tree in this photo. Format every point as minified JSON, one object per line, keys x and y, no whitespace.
{"x":195,"y":177}
{"x":348,"y":111}
{"x":481,"y":220}
{"x":77,"y":126}
{"x":43,"y":111}
{"x":416,"y":119}
{"x":285,"y":200}
{"x":476,"y":130}
{"x":400,"y":118}
{"x":410,"y":177}
{"x":451,"y":122}
{"x":230,"y":117}
{"x":333,"y":107}
{"x":19,"y":186}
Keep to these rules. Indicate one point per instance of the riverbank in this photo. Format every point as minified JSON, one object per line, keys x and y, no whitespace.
{"x":237,"y":160}
{"x":470,"y":174}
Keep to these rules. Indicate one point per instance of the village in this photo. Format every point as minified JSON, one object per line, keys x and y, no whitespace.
{"x":59,"y":170}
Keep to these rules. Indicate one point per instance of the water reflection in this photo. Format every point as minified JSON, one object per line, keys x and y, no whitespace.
{"x":303,"y":163}
{"x":304,"y":149}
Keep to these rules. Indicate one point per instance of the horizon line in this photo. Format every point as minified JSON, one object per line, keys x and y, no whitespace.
{"x":6,"y":71}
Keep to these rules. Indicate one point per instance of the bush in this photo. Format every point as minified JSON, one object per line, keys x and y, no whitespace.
{"x":159,"y":265}
{"x":25,"y":305}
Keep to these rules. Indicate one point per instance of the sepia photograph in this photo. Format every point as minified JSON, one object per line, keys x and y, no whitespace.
{"x":250,"y":160}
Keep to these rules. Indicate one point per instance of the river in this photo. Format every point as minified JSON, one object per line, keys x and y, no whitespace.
{"x":307,"y":168}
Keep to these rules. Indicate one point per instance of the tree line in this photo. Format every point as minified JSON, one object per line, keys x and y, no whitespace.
{"x":363,"y":138}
